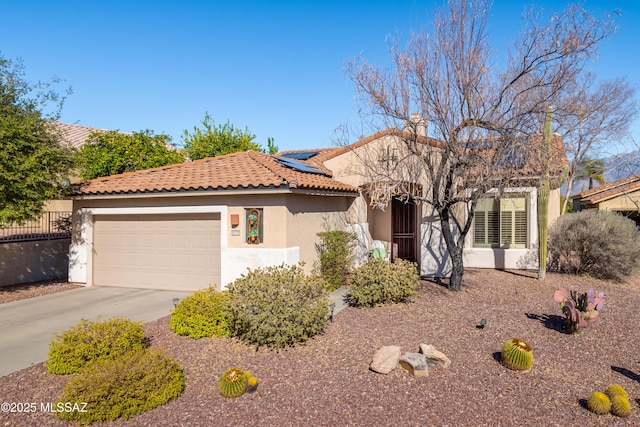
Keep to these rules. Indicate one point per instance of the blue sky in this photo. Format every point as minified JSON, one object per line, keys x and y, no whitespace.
{"x":274,"y":67}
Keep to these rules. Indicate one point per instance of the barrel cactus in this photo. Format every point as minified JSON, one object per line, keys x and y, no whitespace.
{"x":599,"y":403}
{"x":233,"y":383}
{"x":620,"y":406}
{"x":252,"y":382}
{"x":616,"y":390}
{"x":517,"y":355}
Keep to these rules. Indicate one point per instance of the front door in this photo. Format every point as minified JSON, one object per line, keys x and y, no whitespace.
{"x":404,"y":217}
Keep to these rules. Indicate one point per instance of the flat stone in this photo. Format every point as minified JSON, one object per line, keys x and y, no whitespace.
{"x":385,"y":359}
{"x":415,"y":364}
{"x":434,"y":357}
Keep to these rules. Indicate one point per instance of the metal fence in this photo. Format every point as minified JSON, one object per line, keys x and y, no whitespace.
{"x":51,"y":225}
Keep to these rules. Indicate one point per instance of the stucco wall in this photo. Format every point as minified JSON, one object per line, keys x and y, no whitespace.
{"x":309,"y":215}
{"x":624,"y":202}
{"x":290,"y":225}
{"x":25,"y":262}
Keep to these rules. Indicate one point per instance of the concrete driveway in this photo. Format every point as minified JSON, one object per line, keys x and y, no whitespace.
{"x":27,"y":326}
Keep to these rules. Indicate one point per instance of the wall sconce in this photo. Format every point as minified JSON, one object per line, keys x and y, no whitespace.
{"x":235,"y":220}
{"x":175,"y":302}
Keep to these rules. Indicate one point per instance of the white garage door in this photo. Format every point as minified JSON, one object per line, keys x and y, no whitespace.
{"x":176,"y":252}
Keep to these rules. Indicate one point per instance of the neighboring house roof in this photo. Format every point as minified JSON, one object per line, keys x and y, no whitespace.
{"x":75,"y":135}
{"x":244,"y":170}
{"x":609,"y":190}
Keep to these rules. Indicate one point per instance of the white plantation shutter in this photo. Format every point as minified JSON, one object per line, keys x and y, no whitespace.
{"x":501,"y":223}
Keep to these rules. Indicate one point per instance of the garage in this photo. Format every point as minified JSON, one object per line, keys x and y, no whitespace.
{"x":159,"y":251}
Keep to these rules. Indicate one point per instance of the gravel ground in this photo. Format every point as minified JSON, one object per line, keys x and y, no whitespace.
{"x":30,"y":290}
{"x":327,"y":381}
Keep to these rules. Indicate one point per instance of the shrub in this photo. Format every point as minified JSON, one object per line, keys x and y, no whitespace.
{"x":335,"y":250}
{"x":599,"y":243}
{"x":277,"y":306}
{"x":202,"y":314}
{"x":123,"y":387}
{"x":379,"y":282}
{"x":92,"y":341}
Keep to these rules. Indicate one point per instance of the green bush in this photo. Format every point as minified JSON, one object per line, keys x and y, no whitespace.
{"x":335,"y":251}
{"x":379,"y":282}
{"x":202,"y":314}
{"x":601,"y":244}
{"x":122,"y":387}
{"x":277,"y":306}
{"x":92,"y":341}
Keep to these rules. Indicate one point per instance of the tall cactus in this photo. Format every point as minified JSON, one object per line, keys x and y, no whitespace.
{"x":543,"y":196}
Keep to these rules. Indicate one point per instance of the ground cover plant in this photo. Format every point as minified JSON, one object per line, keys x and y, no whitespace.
{"x":122,"y":387}
{"x":202,"y":314}
{"x":379,"y":282}
{"x":326,"y":381}
{"x":91,"y":341}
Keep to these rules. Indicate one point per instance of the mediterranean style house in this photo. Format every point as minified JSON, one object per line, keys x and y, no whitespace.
{"x":204,"y":223}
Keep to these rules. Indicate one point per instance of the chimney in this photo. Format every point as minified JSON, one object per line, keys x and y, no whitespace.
{"x":416,"y":124}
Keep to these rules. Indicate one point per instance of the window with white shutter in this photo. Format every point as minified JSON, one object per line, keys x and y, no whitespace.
{"x":501,"y":223}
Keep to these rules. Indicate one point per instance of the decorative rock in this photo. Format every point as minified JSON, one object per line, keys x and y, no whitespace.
{"x":385,"y":359}
{"x":415,"y":364}
{"x":434,"y":357}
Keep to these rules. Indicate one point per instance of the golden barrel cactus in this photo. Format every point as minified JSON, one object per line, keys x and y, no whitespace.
{"x":517,"y":355}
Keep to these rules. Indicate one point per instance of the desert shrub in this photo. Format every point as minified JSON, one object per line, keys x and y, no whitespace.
{"x":201,"y":314}
{"x":92,"y":341}
{"x":379,"y":282}
{"x":336,"y":255}
{"x":122,"y":387}
{"x":601,"y":244}
{"x":277,"y":306}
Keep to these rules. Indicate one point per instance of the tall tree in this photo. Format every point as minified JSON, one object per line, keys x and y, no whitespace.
{"x":482,"y":115}
{"x":592,"y":117}
{"x":33,"y":163}
{"x":215,"y":140}
{"x":113,"y":152}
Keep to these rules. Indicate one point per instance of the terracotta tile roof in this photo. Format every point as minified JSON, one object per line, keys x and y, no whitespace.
{"x":244,"y":170}
{"x":532,"y":165}
{"x":609,"y":190}
{"x":75,"y":135}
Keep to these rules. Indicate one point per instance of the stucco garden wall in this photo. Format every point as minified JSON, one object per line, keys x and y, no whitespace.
{"x":34,"y":261}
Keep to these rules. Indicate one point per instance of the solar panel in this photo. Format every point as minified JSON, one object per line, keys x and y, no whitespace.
{"x":512,"y":158}
{"x":299,"y":166}
{"x":300,"y":155}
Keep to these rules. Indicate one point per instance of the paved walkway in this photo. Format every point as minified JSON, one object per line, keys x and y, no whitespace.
{"x":27,"y":326}
{"x":338,"y":298}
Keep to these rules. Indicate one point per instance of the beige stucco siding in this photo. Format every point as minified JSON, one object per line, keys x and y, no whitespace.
{"x":307,"y":216}
{"x":290,"y":226}
{"x":623,"y":203}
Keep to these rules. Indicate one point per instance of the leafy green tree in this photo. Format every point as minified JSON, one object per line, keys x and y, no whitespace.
{"x":272,"y":148}
{"x":593,"y":170}
{"x":33,"y":163}
{"x":215,"y":140}
{"x":111,"y":153}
